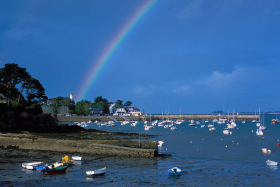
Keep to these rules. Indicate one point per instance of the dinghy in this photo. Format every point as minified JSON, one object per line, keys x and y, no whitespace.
{"x":24,"y":165}
{"x":76,"y":157}
{"x":96,"y":172}
{"x":54,"y":170}
{"x":174,"y":171}
{"x":160,"y":143}
{"x":271,"y":163}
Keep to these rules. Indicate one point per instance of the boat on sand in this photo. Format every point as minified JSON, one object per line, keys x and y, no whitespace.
{"x":100,"y":171}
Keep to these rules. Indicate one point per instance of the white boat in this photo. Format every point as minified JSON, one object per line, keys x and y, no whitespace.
{"x":191,"y":124}
{"x":76,"y":157}
{"x":24,"y":165}
{"x":96,"y":172}
{"x":202,"y":126}
{"x":243,"y":121}
{"x":174,"y":171}
{"x":259,"y":132}
{"x":265,"y":150}
{"x":227,"y":131}
{"x":212,"y":129}
{"x":160,"y":143}
{"x":271,"y":163}
{"x":262,"y":127}
{"x":133,"y":124}
{"x":173,"y":128}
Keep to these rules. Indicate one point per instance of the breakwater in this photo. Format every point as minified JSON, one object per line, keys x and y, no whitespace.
{"x":153,"y":117}
{"x":91,"y":147}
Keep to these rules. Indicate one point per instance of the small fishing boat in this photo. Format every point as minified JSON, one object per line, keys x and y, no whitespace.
{"x":41,"y":167}
{"x":76,"y":157}
{"x":227,"y":131}
{"x":96,"y":172}
{"x":24,"y":165}
{"x":174,"y":171}
{"x":54,"y":170}
{"x":202,"y":126}
{"x":278,"y":144}
{"x":259,"y":132}
{"x":64,"y":163}
{"x":271,"y":163}
{"x":160,"y":143}
{"x":265,"y":150}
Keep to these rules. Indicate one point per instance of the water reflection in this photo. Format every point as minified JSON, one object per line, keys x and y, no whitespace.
{"x":273,"y":167}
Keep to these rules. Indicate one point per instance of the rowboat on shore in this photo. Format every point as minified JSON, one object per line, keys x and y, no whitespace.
{"x":64,"y":163}
{"x":54,"y":170}
{"x":76,"y":157}
{"x":96,"y":172}
{"x":30,"y":164}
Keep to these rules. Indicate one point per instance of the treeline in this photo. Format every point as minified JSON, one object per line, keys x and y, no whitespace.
{"x":20,"y":92}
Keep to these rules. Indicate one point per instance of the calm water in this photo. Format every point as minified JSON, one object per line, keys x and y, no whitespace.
{"x":207,"y":158}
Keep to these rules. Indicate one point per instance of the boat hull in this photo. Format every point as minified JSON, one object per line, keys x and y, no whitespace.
{"x":54,"y":171}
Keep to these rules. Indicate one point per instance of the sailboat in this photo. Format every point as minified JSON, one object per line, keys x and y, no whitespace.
{"x":275,"y":121}
{"x":263,"y":126}
{"x":259,"y":122}
{"x":191,"y":121}
{"x":180,"y":121}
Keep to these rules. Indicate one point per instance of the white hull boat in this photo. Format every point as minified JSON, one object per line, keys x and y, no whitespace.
{"x":160,"y":143}
{"x":96,"y":172}
{"x":271,"y":163}
{"x":24,"y":165}
{"x":76,"y":157}
{"x":227,"y":132}
{"x":259,"y":132}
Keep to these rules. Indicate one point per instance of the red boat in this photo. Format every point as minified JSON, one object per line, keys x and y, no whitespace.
{"x":275,"y":121}
{"x":278,"y":144}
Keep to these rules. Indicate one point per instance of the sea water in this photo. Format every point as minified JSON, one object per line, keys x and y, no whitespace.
{"x":206,"y":158}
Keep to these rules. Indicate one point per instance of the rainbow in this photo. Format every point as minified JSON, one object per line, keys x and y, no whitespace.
{"x":112,"y":47}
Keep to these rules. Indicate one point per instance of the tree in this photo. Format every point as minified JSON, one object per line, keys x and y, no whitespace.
{"x":128,"y":103}
{"x":9,"y":78}
{"x":68,"y":102}
{"x":102,"y":103}
{"x":14,"y":80}
{"x":34,"y":90}
{"x":119,"y":102}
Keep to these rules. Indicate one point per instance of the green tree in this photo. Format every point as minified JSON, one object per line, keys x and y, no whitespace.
{"x":119,"y":102}
{"x":9,"y":78}
{"x":100,"y":102}
{"x":128,"y":103}
{"x":68,"y":102}
{"x":34,"y":90}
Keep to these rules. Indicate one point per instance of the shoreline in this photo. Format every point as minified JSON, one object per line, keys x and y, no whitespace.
{"x":92,"y":143}
{"x":153,"y":117}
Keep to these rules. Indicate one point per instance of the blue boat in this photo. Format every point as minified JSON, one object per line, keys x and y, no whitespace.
{"x":174,"y":171}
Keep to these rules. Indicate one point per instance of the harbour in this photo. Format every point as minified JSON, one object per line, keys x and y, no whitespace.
{"x":206,"y":158}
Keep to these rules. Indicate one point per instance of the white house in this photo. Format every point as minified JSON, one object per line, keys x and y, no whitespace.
{"x":133,"y":111}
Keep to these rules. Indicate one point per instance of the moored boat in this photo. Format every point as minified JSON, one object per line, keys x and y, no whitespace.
{"x":275,"y":121}
{"x":76,"y":157}
{"x":54,"y":170}
{"x":24,"y":165}
{"x":160,"y":143}
{"x":271,"y":163}
{"x":96,"y":172}
{"x":174,"y":171}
